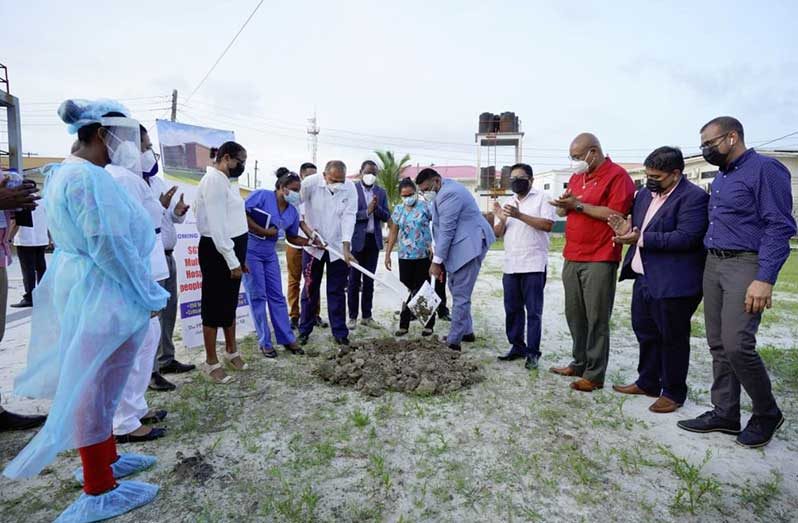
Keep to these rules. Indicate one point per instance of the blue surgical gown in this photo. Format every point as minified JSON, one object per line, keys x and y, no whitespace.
{"x":92,"y":310}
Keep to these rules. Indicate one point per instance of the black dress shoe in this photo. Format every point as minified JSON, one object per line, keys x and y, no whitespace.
{"x":160,"y":384}
{"x":455,"y":346}
{"x":321,"y":323}
{"x":302,"y":339}
{"x":295,"y":323}
{"x":710,"y":422}
{"x":511,"y":356}
{"x":444,"y":316}
{"x":531,"y":363}
{"x":153,"y":434}
{"x":469,"y":338}
{"x":156,"y":417}
{"x":342,"y":341}
{"x":177,"y":368}
{"x":293,"y":349}
{"x":11,"y":421}
{"x":22,"y":304}
{"x":759,"y":431}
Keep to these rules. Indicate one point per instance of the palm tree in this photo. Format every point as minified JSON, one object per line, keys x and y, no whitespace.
{"x":390,"y":174}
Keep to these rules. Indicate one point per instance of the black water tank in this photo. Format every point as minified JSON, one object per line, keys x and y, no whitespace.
{"x":496,"y":122}
{"x":508,"y":123}
{"x":485,"y":122}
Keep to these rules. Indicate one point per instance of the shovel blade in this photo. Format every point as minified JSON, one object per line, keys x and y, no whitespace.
{"x":424,"y":304}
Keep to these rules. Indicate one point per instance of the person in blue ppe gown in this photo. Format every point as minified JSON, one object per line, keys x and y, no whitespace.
{"x":91,"y":313}
{"x":269,"y":212}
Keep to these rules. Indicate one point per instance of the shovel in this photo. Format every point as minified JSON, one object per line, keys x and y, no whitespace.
{"x":424,"y":304}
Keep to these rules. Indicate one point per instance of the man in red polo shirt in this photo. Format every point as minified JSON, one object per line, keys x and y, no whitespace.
{"x":598,"y":189}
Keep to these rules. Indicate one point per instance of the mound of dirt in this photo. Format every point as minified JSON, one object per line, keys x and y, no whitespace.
{"x":419,"y":366}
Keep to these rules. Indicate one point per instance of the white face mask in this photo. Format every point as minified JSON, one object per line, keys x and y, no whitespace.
{"x":430,"y":195}
{"x":580,"y":166}
{"x":335,"y":187}
{"x":147,"y":161}
{"x":369,"y":179}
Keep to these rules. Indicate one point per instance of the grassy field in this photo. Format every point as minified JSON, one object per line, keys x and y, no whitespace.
{"x":280,"y":445}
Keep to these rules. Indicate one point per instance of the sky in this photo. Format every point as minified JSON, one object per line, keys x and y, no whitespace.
{"x":412,"y":76}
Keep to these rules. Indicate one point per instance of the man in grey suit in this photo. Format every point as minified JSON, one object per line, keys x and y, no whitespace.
{"x":461,"y":237}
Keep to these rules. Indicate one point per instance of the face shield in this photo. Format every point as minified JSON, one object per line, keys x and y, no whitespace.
{"x":123,"y":141}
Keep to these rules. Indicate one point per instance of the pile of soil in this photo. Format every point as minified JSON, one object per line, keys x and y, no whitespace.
{"x":419,"y":366}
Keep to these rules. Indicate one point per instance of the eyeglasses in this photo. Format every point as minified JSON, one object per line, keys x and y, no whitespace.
{"x":713,"y":142}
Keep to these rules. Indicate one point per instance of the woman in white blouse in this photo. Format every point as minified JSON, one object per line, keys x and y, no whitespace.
{"x":222,"y":225}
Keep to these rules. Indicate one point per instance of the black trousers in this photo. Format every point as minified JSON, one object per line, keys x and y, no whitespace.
{"x":413,"y":273}
{"x":220,"y":292}
{"x":662,"y":327}
{"x":33,"y":265}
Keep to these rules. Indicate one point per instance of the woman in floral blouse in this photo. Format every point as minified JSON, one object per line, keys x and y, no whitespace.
{"x":410,"y":224}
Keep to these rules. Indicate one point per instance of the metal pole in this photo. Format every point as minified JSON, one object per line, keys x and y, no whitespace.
{"x":174,"y":105}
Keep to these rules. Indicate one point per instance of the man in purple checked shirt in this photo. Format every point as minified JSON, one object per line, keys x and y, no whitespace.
{"x":748,"y":241}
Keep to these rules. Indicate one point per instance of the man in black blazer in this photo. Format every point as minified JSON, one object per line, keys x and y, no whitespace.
{"x":666,"y":259}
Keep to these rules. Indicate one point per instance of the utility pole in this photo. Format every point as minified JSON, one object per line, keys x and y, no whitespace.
{"x":313,"y":136}
{"x":174,"y":105}
{"x":256,"y":174}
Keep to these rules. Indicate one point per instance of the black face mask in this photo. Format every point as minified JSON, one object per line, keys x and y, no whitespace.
{"x":713,"y":156}
{"x":520,"y":186}
{"x":237,"y":171}
{"x":653,"y":185}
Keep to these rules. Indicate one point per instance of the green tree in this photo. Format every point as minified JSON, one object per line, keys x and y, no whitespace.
{"x":390,"y":173}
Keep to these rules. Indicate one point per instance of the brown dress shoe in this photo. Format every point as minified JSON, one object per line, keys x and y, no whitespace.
{"x":564,"y":371}
{"x":664,"y":405}
{"x":632,"y":389}
{"x":583,"y":385}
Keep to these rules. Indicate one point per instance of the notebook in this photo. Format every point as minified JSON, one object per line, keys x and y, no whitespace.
{"x":262,"y":218}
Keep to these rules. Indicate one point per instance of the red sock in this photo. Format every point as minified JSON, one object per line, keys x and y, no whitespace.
{"x":98,"y":477}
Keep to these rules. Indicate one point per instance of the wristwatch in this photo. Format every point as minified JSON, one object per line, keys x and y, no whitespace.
{"x":579,"y":207}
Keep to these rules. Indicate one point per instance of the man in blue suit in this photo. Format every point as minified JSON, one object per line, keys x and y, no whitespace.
{"x":461,"y":237}
{"x":372,"y":212}
{"x":666,"y":260}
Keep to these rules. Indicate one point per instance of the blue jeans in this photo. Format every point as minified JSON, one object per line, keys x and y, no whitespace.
{"x":523,"y":308}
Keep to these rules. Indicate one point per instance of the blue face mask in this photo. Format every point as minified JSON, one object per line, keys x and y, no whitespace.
{"x":410,"y":200}
{"x":293,"y":198}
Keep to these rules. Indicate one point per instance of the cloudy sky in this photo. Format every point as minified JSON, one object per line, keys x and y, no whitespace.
{"x":413,"y":76}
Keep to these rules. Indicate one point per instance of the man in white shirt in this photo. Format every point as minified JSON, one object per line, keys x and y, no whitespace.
{"x":330,"y":210}
{"x":174,"y":211}
{"x":31,"y":242}
{"x":525,"y":222}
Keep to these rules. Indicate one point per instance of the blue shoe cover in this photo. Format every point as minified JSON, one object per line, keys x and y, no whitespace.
{"x":126,"y":465}
{"x":128,"y":495}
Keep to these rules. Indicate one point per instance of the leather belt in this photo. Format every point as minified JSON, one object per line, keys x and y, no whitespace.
{"x":725,"y":253}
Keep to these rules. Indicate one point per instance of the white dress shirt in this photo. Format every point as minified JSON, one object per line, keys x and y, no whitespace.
{"x":220,"y":213}
{"x":332,"y":215}
{"x":136,"y":187}
{"x":168,"y":233}
{"x":526,"y":249}
{"x":35,"y":236}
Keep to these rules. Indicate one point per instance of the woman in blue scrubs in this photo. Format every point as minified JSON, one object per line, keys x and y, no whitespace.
{"x":268,"y":212}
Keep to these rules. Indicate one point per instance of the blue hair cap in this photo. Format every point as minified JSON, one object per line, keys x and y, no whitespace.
{"x":79,"y":113}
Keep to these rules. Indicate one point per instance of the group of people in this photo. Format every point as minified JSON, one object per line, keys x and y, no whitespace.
{"x":112,"y":222}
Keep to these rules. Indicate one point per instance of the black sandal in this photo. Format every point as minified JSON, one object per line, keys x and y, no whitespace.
{"x":156,"y":417}
{"x":268,"y":353}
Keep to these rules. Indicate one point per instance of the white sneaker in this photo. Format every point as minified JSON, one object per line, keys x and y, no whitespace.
{"x":352,"y":324}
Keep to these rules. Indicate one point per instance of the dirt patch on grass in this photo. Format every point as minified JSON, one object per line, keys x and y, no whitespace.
{"x":192,"y":469}
{"x":419,"y":366}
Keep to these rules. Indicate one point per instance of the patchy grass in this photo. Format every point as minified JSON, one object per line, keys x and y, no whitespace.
{"x":782,"y":363}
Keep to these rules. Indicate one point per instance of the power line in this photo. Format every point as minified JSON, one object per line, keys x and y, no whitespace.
{"x":225,"y":50}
